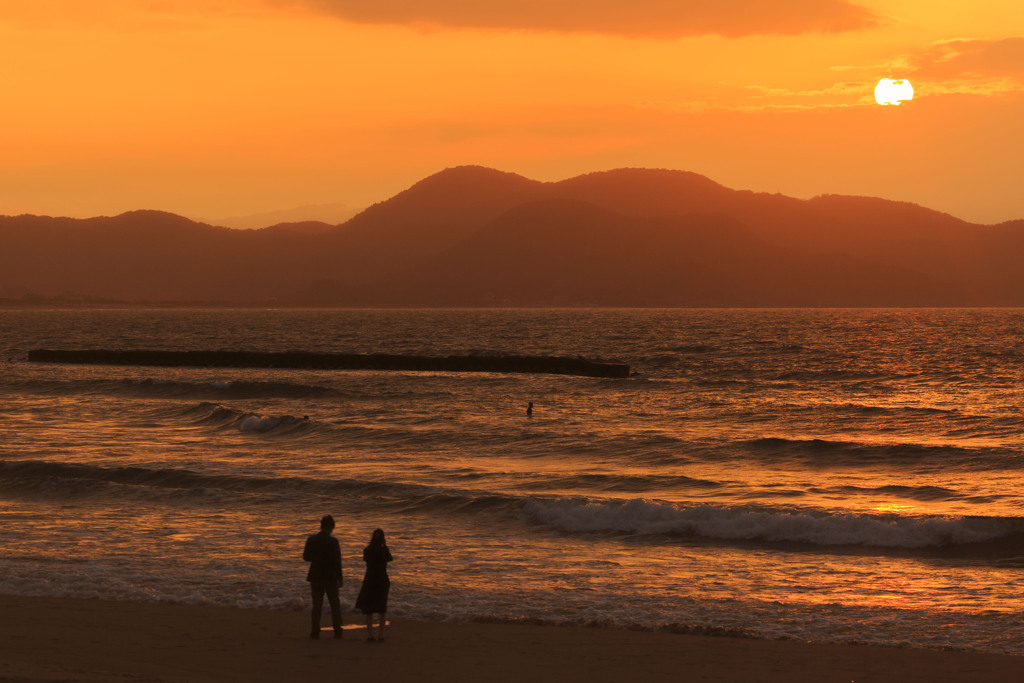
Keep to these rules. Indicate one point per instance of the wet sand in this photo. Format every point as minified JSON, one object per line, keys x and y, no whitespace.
{"x":50,"y":639}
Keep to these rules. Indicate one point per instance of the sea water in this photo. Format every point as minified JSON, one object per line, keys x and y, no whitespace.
{"x":823,"y":475}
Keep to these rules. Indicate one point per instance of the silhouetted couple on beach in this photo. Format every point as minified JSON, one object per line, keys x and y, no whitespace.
{"x":323,"y":552}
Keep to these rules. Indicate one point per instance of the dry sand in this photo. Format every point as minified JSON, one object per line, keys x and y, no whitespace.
{"x":48,"y":639}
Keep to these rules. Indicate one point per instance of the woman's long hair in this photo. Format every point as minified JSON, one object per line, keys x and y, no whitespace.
{"x":377,"y":540}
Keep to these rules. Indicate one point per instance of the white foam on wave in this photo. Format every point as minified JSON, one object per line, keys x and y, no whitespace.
{"x":259,"y":423}
{"x":244,"y":421}
{"x":266,"y":423}
{"x":641,"y":516}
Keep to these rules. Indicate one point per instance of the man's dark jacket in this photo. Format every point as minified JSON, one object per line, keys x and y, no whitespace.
{"x":323,"y":552}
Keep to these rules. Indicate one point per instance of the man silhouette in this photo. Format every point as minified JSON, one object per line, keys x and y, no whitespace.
{"x":323,"y":553}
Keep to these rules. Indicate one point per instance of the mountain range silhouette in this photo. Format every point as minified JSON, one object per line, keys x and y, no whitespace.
{"x":474,"y":236}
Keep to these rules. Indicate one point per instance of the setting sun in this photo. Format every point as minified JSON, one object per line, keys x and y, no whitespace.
{"x":893,"y":91}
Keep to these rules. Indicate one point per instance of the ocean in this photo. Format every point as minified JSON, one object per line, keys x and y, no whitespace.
{"x":849,"y":476}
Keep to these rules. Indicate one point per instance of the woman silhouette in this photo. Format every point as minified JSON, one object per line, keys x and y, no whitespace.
{"x":373,"y":596}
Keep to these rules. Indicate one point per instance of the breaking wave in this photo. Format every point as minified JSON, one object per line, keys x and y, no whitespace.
{"x":817,"y":528}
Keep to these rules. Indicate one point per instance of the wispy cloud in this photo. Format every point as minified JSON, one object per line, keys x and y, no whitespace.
{"x":975,"y":67}
{"x":977,"y":58}
{"x":665,"y":19}
{"x":844,"y":94}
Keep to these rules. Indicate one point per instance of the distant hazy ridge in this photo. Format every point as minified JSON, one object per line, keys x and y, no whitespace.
{"x":478,"y":237}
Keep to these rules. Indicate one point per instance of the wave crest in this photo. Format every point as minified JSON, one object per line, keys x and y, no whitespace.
{"x":641,"y":516}
{"x":207,"y":413}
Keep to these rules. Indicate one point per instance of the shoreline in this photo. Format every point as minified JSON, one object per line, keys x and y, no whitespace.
{"x":64,"y":639}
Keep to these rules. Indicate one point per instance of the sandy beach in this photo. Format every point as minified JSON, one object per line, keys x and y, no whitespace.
{"x":49,"y":639}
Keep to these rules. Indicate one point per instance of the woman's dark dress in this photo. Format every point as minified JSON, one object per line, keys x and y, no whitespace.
{"x":373,"y":596}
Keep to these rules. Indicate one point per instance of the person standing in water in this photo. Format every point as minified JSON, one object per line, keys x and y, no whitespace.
{"x":323,"y":552}
{"x":529,"y":410}
{"x":373,"y":596}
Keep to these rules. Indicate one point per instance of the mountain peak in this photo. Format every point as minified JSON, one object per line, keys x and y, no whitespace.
{"x":647,"y":175}
{"x":468,"y":178}
{"x":150,"y":219}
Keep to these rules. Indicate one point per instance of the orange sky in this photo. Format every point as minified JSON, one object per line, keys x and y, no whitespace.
{"x":216,"y":108}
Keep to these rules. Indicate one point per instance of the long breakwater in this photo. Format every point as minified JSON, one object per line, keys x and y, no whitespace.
{"x":334,"y":361}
